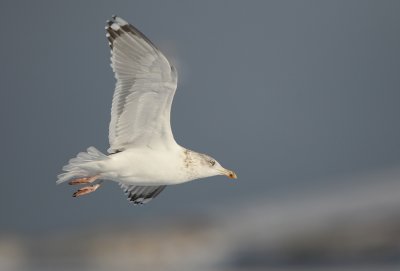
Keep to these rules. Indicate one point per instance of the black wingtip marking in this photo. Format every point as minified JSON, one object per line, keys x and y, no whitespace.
{"x":113,"y":34}
{"x":126,"y":28}
{"x":138,"y":196}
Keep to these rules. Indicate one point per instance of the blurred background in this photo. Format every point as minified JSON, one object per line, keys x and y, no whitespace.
{"x":300,"y":98}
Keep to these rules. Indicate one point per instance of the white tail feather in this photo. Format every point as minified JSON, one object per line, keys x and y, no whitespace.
{"x":77,"y":167}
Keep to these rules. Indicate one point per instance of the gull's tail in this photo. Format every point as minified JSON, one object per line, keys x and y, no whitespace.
{"x":83,"y":165}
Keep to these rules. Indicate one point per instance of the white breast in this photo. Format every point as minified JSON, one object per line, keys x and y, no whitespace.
{"x":145,"y":166}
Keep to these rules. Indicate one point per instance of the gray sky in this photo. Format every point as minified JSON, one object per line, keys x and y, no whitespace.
{"x":287,"y":93}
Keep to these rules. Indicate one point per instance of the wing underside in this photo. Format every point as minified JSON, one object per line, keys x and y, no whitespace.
{"x":146,"y":84}
{"x":141,"y":194}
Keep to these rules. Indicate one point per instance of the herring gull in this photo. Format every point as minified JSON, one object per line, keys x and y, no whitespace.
{"x":143,"y":156}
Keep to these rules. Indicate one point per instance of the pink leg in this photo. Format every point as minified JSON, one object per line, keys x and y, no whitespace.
{"x":83,"y":180}
{"x":86,"y":190}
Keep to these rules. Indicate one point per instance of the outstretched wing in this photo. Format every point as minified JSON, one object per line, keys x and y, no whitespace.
{"x":145,"y":88}
{"x":141,"y":194}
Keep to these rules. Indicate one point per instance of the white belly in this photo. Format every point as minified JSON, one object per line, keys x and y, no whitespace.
{"x":146,"y":167}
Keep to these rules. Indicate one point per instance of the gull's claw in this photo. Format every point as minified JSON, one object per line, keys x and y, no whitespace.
{"x":85,"y":190}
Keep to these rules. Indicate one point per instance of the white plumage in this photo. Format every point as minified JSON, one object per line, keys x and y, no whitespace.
{"x":146,"y":85}
{"x":144,"y":156}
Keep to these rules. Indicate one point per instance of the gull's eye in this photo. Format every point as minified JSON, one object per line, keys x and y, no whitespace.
{"x":212,"y":162}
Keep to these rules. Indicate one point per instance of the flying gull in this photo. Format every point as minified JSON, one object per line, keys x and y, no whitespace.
{"x":143,"y":155}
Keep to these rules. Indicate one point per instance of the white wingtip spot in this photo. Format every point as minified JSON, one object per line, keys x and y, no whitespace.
{"x":146,"y":200}
{"x":120,"y":21}
{"x":115,"y":27}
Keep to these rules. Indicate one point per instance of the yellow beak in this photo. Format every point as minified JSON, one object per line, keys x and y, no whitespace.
{"x":230,"y":174}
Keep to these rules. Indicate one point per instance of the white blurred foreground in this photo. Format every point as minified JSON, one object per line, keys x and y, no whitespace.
{"x":355,"y":226}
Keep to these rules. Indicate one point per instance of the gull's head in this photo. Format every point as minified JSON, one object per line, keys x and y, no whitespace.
{"x":208,"y":167}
